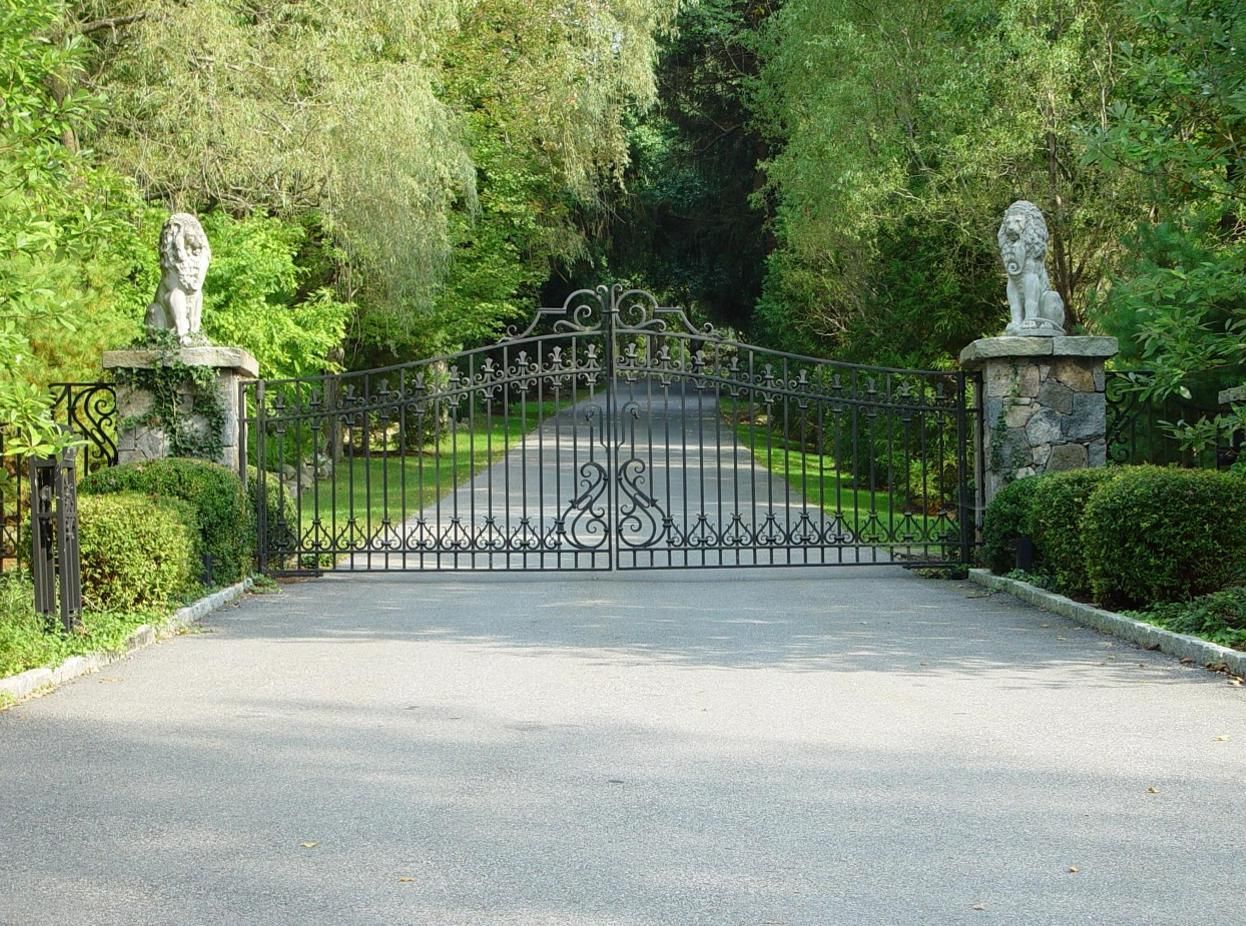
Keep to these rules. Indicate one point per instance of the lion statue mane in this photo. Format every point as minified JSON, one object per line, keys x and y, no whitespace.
{"x":1036,"y":308}
{"x":184,"y":257}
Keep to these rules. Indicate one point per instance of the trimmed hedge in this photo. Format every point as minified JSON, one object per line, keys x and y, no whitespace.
{"x":1154,"y":535}
{"x":226,"y":525}
{"x":1057,"y":518}
{"x":1007,"y":518}
{"x":137,"y":552}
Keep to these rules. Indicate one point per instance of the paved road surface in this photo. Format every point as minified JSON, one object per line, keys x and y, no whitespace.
{"x":752,"y":747}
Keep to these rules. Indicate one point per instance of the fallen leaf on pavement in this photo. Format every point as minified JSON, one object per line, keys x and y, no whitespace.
{"x":1152,"y":790}
{"x":1073,"y":869}
{"x":405,"y":880}
{"x":308,"y":845}
{"x":1222,"y":739}
{"x":979,"y":906}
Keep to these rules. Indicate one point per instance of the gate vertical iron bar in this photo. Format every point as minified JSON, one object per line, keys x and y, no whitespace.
{"x":261,"y":513}
{"x":610,"y":304}
{"x":541,"y":531}
{"x":401,"y":438}
{"x":962,"y":468}
{"x":366,"y":416}
{"x":242,"y":433}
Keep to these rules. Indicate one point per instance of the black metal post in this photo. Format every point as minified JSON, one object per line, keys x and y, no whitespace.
{"x":56,"y":563}
{"x":69,"y":559}
{"x":43,"y":554}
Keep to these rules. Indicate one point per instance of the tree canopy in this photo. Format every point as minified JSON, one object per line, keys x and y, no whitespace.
{"x":384,"y":180}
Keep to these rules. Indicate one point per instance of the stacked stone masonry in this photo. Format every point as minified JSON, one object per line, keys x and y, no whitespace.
{"x":1044,"y":410}
{"x":143,"y":440}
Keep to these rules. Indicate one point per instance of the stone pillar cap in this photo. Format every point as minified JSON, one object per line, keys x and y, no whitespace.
{"x":977,"y":353}
{"x":222,"y":358}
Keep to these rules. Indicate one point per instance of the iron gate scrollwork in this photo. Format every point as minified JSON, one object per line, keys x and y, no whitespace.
{"x":612,"y":433}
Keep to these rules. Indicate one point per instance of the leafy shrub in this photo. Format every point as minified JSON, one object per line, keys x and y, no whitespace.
{"x":1057,"y":514}
{"x":226,"y":525}
{"x":1219,"y":617}
{"x":1154,"y":535}
{"x":137,"y":552}
{"x":1007,"y":518}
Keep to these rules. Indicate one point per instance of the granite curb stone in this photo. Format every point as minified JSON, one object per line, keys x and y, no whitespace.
{"x":26,"y":683}
{"x":1145,"y":635}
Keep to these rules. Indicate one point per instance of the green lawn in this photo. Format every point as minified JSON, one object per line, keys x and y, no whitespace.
{"x":391,"y":483}
{"x":876,"y":513}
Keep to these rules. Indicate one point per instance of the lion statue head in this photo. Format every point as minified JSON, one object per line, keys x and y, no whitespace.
{"x":184,"y":250}
{"x":184,"y":257}
{"x":1022,"y":237}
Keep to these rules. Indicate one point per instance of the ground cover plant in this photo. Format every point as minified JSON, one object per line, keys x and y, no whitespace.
{"x":1219,"y":617}
{"x":26,"y":641}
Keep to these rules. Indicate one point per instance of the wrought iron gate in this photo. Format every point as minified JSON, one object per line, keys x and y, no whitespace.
{"x":612,"y":433}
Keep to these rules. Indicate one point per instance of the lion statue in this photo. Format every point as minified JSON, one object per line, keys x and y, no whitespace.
{"x":1037,"y":309}
{"x":184,"y":256}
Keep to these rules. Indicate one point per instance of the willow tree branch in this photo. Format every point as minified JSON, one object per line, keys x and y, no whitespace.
{"x":114,"y":23}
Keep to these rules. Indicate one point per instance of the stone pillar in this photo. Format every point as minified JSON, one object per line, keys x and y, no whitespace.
{"x":1043,"y":405}
{"x":141,"y":435}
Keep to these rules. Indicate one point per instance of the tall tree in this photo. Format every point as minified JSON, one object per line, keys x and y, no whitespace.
{"x":904,"y":131}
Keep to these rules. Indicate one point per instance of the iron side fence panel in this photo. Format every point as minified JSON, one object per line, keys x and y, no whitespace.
{"x":89,"y":412}
{"x":1137,"y":429}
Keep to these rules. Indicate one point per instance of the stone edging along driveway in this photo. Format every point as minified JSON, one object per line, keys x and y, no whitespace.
{"x":1145,"y":635}
{"x":33,"y":681}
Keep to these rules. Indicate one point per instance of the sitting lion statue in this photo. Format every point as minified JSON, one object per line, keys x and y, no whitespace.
{"x":1037,"y":309}
{"x":184,"y":256}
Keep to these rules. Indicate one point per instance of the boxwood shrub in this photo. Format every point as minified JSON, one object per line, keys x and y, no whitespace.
{"x":1057,"y":515}
{"x":137,"y":552}
{"x":1007,"y":517}
{"x":226,"y":525}
{"x":1155,"y":535}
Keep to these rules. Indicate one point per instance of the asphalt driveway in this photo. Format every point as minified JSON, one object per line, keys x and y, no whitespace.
{"x":751,"y":747}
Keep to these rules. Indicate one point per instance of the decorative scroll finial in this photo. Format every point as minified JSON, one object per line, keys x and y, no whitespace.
{"x":1037,"y":309}
{"x":184,"y":257}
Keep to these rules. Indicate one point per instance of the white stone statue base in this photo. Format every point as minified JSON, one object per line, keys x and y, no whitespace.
{"x":1035,"y":328}
{"x":141,"y":441}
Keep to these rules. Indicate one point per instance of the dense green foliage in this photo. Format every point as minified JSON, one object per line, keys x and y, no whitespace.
{"x":138,"y":552}
{"x":223,"y":516}
{"x":1056,"y":524}
{"x":66,"y":227}
{"x":1007,"y":518}
{"x":1154,"y":535}
{"x":385,"y":180}
{"x":1219,"y":617}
